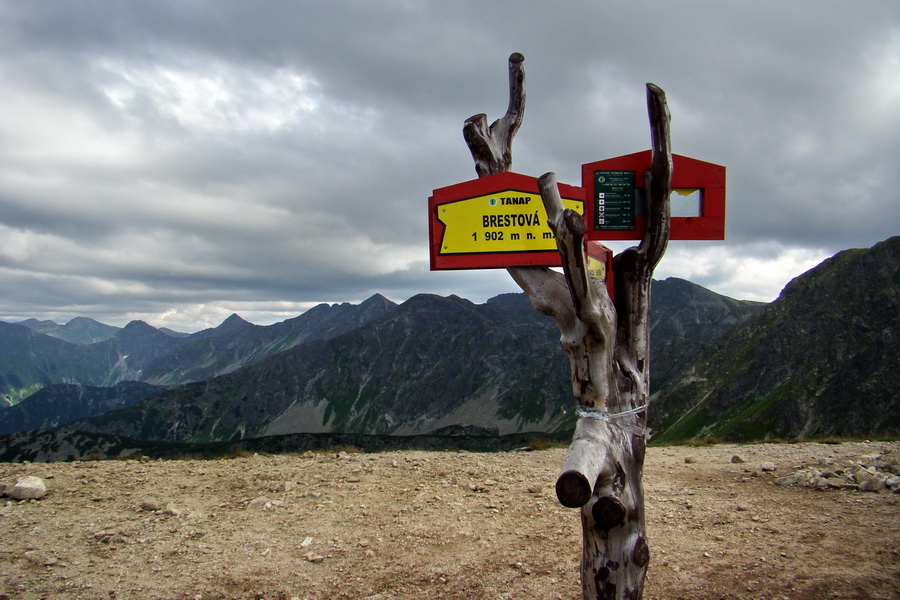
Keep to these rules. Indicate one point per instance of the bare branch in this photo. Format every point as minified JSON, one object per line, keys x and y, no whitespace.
{"x":658,"y":180}
{"x":569,"y":229}
{"x":491,"y":147}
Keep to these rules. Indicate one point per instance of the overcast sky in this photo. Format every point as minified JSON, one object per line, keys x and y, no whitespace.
{"x":179,"y":161}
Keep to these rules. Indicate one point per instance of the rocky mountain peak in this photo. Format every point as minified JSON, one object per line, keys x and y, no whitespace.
{"x":233,"y":323}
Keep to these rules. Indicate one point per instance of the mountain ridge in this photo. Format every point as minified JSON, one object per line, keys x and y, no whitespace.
{"x":79,"y":330}
{"x":434,"y":365}
{"x":342,"y":384}
{"x":819,"y":361}
{"x":30,"y":360}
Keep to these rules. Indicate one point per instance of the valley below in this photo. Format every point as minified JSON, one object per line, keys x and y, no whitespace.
{"x":453,"y":525}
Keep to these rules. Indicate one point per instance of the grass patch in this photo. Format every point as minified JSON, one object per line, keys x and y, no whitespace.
{"x":686,"y":426}
{"x":747,"y":421}
{"x":542,"y":443}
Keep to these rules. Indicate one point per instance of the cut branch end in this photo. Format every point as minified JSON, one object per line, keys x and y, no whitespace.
{"x":573,"y":490}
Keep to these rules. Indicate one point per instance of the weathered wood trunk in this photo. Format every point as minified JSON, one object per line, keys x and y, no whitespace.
{"x":608,"y":348}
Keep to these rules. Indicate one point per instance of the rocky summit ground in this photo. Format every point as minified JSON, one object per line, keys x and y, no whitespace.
{"x":455,"y":525}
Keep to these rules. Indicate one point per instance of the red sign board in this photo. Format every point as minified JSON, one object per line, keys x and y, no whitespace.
{"x":494,"y":222}
{"x":499,"y":221}
{"x":615,"y":207}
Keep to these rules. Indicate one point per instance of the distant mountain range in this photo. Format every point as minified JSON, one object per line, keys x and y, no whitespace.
{"x":80,"y":330}
{"x":31,"y":360}
{"x":820,"y":360}
{"x":431,"y":365}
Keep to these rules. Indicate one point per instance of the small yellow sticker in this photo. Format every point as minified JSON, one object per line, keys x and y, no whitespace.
{"x":510,"y":221}
{"x":596,"y":268}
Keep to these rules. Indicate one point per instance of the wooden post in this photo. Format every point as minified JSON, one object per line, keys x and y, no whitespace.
{"x":608,"y":345}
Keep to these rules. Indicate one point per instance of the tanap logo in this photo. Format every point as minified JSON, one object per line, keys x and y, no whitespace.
{"x":492,"y":202}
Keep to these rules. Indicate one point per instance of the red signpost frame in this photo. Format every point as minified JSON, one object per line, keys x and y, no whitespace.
{"x":600,"y":265}
{"x":494,"y":222}
{"x":499,"y":221}
{"x":615,"y":211}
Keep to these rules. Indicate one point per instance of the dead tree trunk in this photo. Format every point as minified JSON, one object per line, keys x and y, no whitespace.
{"x":608,"y":346}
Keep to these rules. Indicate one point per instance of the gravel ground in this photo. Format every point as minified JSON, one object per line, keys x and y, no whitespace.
{"x":456,"y":525}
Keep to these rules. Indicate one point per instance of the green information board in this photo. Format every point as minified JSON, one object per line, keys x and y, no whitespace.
{"x":614,"y":200}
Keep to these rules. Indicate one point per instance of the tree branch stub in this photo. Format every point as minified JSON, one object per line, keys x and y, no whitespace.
{"x":586,"y":462}
{"x":491,"y":147}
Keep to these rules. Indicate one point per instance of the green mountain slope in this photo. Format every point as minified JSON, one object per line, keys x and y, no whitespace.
{"x":432,"y":364}
{"x":60,"y":403}
{"x":822,"y":360}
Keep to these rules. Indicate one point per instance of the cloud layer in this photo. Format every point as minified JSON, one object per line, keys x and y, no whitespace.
{"x":177,"y":162}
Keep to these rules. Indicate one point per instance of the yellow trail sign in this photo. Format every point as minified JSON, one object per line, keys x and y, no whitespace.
{"x":508,"y":221}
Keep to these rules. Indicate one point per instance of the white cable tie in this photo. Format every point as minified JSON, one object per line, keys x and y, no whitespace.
{"x":604,"y":416}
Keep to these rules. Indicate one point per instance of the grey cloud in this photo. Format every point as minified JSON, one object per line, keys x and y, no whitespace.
{"x":166,"y":156}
